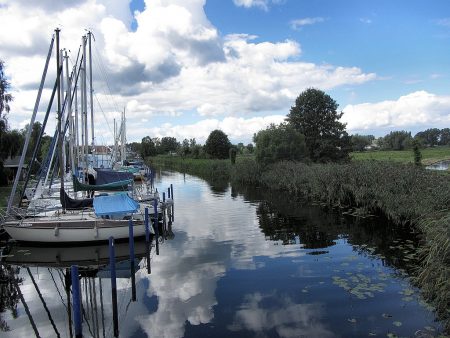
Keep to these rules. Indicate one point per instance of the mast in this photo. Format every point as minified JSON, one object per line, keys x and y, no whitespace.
{"x":27,"y":139}
{"x":69,"y":111}
{"x":91,"y":91}
{"x":59,"y":113}
{"x":123,"y":156}
{"x":84,"y":107}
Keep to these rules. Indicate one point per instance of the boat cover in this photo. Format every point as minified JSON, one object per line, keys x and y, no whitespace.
{"x":105,"y":176}
{"x":114,"y":205}
{"x":73,"y":204}
{"x":113,"y":186}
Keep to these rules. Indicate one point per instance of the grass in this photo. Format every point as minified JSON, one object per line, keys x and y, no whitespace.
{"x":429,"y":155}
{"x":210,"y":169}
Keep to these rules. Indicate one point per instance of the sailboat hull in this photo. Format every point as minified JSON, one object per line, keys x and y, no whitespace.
{"x":73,"y":231}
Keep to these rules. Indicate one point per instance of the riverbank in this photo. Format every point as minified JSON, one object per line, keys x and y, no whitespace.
{"x":407,"y":195}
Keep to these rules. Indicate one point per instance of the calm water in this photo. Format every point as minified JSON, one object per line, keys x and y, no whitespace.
{"x":234,"y":263}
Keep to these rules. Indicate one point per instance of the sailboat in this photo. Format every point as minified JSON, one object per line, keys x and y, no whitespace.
{"x":79,"y":220}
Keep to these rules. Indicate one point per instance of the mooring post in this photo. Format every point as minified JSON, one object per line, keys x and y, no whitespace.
{"x":147,"y":230}
{"x":155,"y":224}
{"x":148,"y":248}
{"x":132,"y":267}
{"x":76,"y":300}
{"x":112,"y":267}
{"x":164,"y":196}
{"x":168,"y":192}
{"x":171,"y":191}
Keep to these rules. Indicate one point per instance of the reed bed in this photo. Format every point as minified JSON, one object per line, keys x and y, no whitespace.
{"x":209,"y":169}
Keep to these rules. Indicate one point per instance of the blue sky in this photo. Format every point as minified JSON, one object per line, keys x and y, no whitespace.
{"x":185,"y":67}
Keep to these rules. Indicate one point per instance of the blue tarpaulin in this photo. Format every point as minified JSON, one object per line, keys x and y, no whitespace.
{"x":114,"y":205}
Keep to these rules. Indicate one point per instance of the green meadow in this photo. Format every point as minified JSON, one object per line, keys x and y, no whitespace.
{"x":429,"y":155}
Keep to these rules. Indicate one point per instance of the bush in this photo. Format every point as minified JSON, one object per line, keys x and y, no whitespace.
{"x":278,"y":143}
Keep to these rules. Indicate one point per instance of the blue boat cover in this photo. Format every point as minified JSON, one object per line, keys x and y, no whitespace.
{"x":114,"y":205}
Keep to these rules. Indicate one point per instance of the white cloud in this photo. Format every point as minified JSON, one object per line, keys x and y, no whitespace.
{"x":298,"y":23}
{"x":174,"y":62}
{"x":263,"y":4}
{"x":366,"y":20}
{"x":237,"y":128}
{"x":416,"y":109}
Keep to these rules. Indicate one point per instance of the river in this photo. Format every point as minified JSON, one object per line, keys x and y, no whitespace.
{"x":235,"y":262}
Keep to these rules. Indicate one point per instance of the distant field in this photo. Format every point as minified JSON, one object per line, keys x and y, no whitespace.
{"x":429,"y":155}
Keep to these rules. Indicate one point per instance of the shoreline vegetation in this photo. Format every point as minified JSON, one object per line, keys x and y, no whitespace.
{"x":406,"y":194}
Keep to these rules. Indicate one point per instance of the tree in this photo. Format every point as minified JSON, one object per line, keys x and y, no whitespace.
{"x":277,"y":143}
{"x":397,"y":140}
{"x":315,"y":116}
{"x":429,"y":137}
{"x":217,"y":145}
{"x":147,"y":147}
{"x":416,"y":152}
{"x":185,"y":149}
{"x":168,"y":144}
{"x":445,"y":137}
{"x":5,"y":140}
{"x":250,"y":148}
{"x":360,"y":142}
{"x":5,"y":99}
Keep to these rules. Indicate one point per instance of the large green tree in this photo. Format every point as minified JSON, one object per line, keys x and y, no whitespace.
{"x":147,"y":147}
{"x":217,"y":145}
{"x":277,"y":143}
{"x":5,"y":99}
{"x":168,"y":144}
{"x":5,"y":139}
{"x":397,"y":140}
{"x":315,"y":115}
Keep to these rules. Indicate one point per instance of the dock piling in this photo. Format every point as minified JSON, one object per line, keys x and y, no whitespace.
{"x":76,"y":300}
{"x":112,"y":266}
{"x":132,"y":267}
{"x":147,"y":230}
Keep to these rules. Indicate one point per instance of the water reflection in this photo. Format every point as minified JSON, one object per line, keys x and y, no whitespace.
{"x":284,"y":316}
{"x":241,"y":262}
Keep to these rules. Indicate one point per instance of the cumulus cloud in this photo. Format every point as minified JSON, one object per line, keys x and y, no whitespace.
{"x":298,"y":23}
{"x":237,"y":128}
{"x":174,"y":62}
{"x":415,"y":109}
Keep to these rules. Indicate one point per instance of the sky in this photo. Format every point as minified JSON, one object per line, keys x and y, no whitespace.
{"x":183,"y":68}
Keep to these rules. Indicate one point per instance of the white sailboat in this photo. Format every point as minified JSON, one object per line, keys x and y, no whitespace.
{"x":80,"y":220}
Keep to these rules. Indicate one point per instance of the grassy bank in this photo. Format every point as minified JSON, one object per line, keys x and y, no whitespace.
{"x":407,"y":195}
{"x":429,"y":155}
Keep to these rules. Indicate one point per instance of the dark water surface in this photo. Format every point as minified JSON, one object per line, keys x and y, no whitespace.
{"x":234,"y":263}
